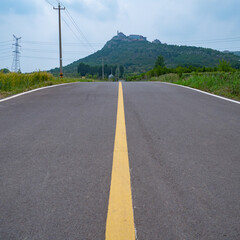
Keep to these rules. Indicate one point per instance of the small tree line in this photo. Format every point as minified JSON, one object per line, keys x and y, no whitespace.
{"x":86,"y":70}
{"x":160,"y":69}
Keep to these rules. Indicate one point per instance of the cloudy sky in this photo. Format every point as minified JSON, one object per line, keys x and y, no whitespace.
{"x":88,"y":24}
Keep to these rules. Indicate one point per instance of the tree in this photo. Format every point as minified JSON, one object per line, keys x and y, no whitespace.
{"x":224,"y":66}
{"x":114,"y":70}
{"x":121,"y":71}
{"x":83,"y":69}
{"x":160,"y":61}
{"x":4,"y":70}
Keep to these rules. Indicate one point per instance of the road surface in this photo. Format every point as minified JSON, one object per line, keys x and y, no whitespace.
{"x":56,"y":157}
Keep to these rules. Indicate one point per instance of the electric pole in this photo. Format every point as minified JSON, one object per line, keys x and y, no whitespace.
{"x":118,"y":71}
{"x":16,"y":52}
{"x":60,"y":36}
{"x":102,"y":69}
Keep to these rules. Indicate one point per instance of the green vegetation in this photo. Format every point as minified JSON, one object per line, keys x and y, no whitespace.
{"x":159,"y":62}
{"x":225,"y":84}
{"x":96,"y":71}
{"x":139,"y":56}
{"x":237,"y":53}
{"x":4,"y":70}
{"x":222,"y":80}
{"x":13,"y":83}
{"x":92,"y":71}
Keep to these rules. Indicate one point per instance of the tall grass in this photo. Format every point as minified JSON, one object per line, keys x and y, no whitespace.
{"x":18,"y":81}
{"x":220,"y":83}
{"x":12,"y":83}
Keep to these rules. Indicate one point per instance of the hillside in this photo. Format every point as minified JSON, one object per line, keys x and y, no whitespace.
{"x":138,"y":55}
{"x":236,"y":53}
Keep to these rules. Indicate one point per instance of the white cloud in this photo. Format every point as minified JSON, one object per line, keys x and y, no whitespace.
{"x":181,"y":22}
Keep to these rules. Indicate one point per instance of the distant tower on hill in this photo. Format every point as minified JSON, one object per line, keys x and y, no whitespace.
{"x":157,"y":41}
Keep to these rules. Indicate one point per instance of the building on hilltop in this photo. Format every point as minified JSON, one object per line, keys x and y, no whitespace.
{"x":137,"y":38}
{"x":156,"y":41}
{"x":122,"y":37}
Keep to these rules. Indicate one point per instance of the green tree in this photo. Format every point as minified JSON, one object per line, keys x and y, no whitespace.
{"x":160,"y":61}
{"x":83,"y":69}
{"x":4,"y":70}
{"x":224,"y":66}
{"x":121,"y":69}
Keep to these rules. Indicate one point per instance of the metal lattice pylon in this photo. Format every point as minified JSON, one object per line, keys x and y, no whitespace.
{"x":16,"y":55}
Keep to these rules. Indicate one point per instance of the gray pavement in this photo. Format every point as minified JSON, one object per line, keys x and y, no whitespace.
{"x":56,"y":158}
{"x":184,"y":153}
{"x":56,"y":148}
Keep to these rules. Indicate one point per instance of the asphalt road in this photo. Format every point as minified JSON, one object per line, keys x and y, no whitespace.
{"x":56,"y":153}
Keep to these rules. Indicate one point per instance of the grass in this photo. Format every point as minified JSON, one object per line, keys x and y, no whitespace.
{"x":226,"y":84}
{"x":13,"y":83}
{"x":220,"y":83}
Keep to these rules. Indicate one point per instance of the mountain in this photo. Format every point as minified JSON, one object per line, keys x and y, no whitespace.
{"x":138,"y":55}
{"x":236,"y":53}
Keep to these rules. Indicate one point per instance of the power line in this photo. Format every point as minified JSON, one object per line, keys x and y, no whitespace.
{"x":79,"y":30}
{"x":79,"y":43}
{"x":9,"y":49}
{"x":49,"y":3}
{"x":75,"y":44}
{"x":48,"y":51}
{"x":47,"y":58}
{"x":232,"y":39}
{"x":76,"y":26}
{"x":5,"y":41}
{"x":71,"y":29}
{"x":55,"y":43}
{"x":3,"y":56}
{"x":6,"y":52}
{"x":40,"y":42}
{"x":6,"y":44}
{"x":219,"y":40}
{"x":77,"y":52}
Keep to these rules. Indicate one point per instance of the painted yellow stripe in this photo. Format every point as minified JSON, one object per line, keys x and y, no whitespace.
{"x":120,"y":221}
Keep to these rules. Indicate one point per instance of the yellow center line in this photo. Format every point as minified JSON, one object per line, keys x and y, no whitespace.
{"x":120,"y":220}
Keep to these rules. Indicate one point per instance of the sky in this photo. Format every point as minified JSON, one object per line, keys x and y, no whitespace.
{"x":88,"y":24}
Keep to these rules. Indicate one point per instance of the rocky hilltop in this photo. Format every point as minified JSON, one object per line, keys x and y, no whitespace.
{"x":131,"y":38}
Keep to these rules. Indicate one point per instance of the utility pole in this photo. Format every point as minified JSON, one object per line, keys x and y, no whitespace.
{"x":102,"y":69}
{"x":60,"y":36}
{"x":118,"y":71}
{"x":16,"y":52}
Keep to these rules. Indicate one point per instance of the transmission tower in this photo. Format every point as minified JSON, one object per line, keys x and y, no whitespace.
{"x":16,"y":55}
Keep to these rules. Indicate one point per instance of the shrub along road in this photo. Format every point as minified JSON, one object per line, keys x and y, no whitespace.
{"x":56,"y":159}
